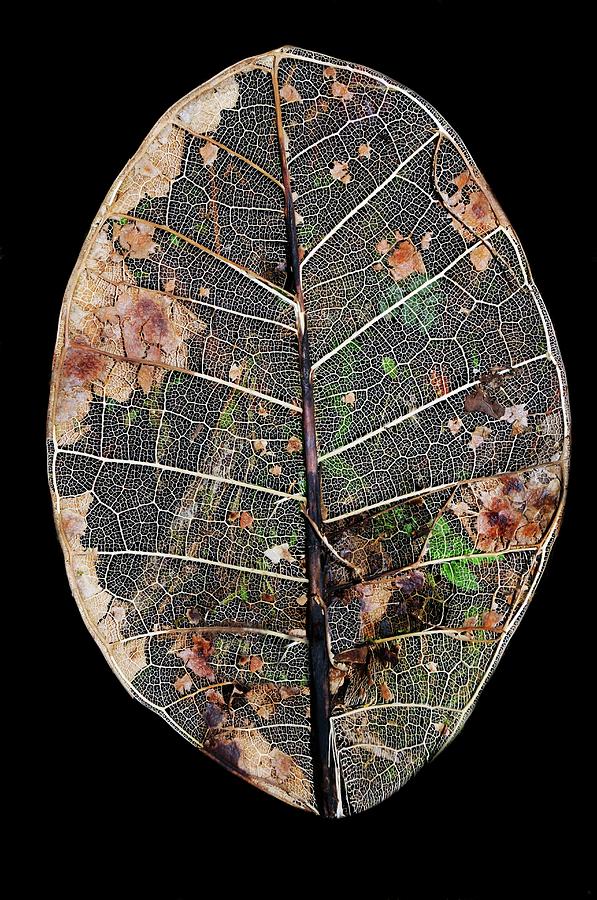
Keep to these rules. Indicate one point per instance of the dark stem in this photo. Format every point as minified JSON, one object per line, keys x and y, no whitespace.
{"x":317,"y":628}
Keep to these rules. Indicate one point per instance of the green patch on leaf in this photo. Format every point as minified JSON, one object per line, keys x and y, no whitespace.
{"x":421,"y":310}
{"x":444,"y":543}
{"x":459,"y":574}
{"x":389,"y":298}
{"x":226,"y":420}
{"x":130,"y":416}
{"x":344,"y":412}
{"x":390,"y":367}
{"x":345,"y":360}
{"x":395,"y":520}
{"x":339,"y":468}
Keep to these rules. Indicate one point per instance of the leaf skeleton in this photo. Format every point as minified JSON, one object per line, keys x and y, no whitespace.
{"x":308,"y":429}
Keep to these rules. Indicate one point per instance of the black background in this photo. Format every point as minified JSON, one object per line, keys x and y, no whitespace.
{"x":107,"y":785}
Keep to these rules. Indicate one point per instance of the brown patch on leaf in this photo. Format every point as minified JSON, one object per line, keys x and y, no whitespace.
{"x":290,"y":94}
{"x":329,"y":72}
{"x":196,"y":657}
{"x":491,"y":619}
{"x":83,"y":366}
{"x":479,"y":435}
{"x":255,"y":664}
{"x":248,"y":752}
{"x":383,"y":246}
{"x":294,"y":445}
{"x":497,"y":523}
{"x":341,"y":91}
{"x":235,"y":372}
{"x":454,"y":425}
{"x":202,"y":113}
{"x":518,"y":417}
{"x":136,"y":239}
{"x":386,"y":694}
{"x":439,"y":382}
{"x":357,"y":656}
{"x":132,"y":322}
{"x":473,"y":214}
{"x":426,"y":240}
{"x":480,"y":401}
{"x":81,"y":371}
{"x":278,"y":553}
{"x":153,"y":173}
{"x":364,"y":151}
{"x":259,"y":445}
{"x":275,"y":471}
{"x":246,"y":519}
{"x":96,"y":600}
{"x":339,"y":171}
{"x":404,"y":260}
{"x":184,"y":684}
{"x":509,"y":510}
{"x":480,"y":257}
{"x":374,"y":598}
{"x":410,"y":582}
{"x":350,"y":398}
{"x":194,"y":615}
{"x":264,"y":698}
{"x":208,"y":153}
{"x":478,"y":214}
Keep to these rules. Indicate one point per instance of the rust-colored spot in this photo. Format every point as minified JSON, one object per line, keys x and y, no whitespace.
{"x":294,"y":445}
{"x":480,"y":401}
{"x":195,"y":657}
{"x":246,"y":519}
{"x":404,"y":260}
{"x":84,"y":366}
{"x":356,"y":656}
{"x":439,"y":382}
{"x":386,"y":694}
{"x":497,"y":522}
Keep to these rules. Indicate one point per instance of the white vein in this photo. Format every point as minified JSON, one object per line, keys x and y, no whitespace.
{"x":363,"y":70}
{"x":433,"y":489}
{"x":420,"y":409}
{"x":365,"y":201}
{"x":402,"y":301}
{"x":194,"y":474}
{"x":156,"y":554}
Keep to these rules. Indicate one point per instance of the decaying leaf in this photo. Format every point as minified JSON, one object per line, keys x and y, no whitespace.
{"x":309,"y":451}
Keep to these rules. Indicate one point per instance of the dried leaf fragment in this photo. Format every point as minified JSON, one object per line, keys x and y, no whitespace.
{"x":294,"y":445}
{"x":290,"y":94}
{"x":339,"y":171}
{"x":209,"y":153}
{"x":279,"y":552}
{"x":341,"y":91}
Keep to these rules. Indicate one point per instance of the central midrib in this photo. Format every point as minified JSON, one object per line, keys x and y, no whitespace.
{"x":317,"y":627}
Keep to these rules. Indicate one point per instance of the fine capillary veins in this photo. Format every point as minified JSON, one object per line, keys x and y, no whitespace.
{"x":308,"y":432}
